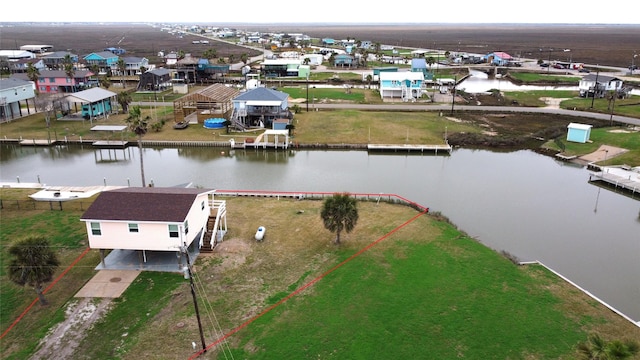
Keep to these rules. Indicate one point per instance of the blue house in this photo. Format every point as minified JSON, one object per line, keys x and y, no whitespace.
{"x":328,"y":41}
{"x":343,"y":60}
{"x":498,"y":58}
{"x":403,"y":85}
{"x":260,"y":107}
{"x":105,"y":60}
{"x":420,"y":65}
{"x":579,"y":133}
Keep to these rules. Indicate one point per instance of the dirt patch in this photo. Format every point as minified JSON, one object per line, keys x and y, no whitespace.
{"x":62,"y":340}
{"x":604,"y":152}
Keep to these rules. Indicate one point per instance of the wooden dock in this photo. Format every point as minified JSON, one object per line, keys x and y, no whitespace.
{"x":619,"y":178}
{"x":110,"y":144}
{"x":410,"y":148}
{"x":38,"y":142}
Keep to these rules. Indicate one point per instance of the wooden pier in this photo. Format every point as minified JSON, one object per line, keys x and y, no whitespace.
{"x":38,"y":142}
{"x":110,"y":144}
{"x":410,"y":148}
{"x":619,"y":178}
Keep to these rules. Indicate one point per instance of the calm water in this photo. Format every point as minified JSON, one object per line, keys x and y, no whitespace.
{"x":527,"y":204}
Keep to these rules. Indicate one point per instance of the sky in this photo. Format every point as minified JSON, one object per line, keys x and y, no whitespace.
{"x":328,"y":11}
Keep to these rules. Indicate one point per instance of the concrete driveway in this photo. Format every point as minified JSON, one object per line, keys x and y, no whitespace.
{"x":108,"y":284}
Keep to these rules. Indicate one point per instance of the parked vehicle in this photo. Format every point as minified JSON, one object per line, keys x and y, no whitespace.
{"x":544,"y":65}
{"x":583,"y":70}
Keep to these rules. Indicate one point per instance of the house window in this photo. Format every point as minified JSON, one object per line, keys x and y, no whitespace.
{"x":52,"y":80}
{"x":133,"y":228}
{"x":41,"y":79}
{"x":68,"y":80}
{"x":173,"y":231}
{"x":186,"y":227}
{"x":202,"y":205}
{"x":95,"y":229}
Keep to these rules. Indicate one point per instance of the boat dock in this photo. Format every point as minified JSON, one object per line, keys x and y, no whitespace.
{"x":410,"y":148}
{"x":38,"y":142}
{"x":110,"y":144}
{"x":620,"y":177}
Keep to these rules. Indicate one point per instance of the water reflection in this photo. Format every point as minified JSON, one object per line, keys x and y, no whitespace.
{"x":479,"y":82}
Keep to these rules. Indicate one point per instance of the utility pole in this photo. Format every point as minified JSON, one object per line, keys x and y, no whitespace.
{"x":595,"y":89}
{"x":193,"y":294}
{"x":453,"y":99}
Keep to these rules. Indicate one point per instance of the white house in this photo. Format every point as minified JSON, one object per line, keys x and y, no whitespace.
{"x":404,"y":85}
{"x":155,"y":219}
{"x":12,"y":93}
{"x":599,"y":85}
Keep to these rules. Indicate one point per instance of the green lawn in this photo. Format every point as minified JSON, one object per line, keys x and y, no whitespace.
{"x":615,"y":136}
{"x":528,"y":77}
{"x":625,"y":107}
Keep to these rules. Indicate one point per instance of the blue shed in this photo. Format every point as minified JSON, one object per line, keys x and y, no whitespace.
{"x":579,"y":133}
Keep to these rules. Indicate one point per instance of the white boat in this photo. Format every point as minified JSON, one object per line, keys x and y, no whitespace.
{"x":260,"y":233}
{"x":61,"y":193}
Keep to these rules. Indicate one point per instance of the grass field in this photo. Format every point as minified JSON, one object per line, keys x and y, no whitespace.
{"x":423,"y":288}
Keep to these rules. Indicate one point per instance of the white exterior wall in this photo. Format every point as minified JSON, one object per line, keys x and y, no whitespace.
{"x":150,"y":235}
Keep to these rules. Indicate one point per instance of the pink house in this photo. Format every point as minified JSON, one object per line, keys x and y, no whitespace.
{"x":154,"y":220}
{"x":57,"y":81}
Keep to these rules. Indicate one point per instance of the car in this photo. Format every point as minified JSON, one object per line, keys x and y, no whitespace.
{"x":558,"y":66}
{"x":544,"y":65}
{"x":633,"y":67}
{"x":583,"y":70}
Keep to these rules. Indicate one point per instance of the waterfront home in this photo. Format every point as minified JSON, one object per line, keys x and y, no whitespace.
{"x":155,"y":219}
{"x":14,"y":93}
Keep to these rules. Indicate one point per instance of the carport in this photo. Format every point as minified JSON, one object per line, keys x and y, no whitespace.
{"x":97,"y":99}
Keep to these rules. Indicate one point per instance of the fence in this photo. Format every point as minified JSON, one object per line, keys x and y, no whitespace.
{"x":23,"y":205}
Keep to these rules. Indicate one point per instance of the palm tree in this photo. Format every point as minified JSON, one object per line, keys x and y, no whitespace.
{"x":124,"y":99}
{"x":70,"y":71}
{"x":33,"y":74}
{"x":339,"y":212}
{"x":33,"y":263}
{"x":122,"y":67}
{"x":597,"y":348}
{"x":139,"y":126}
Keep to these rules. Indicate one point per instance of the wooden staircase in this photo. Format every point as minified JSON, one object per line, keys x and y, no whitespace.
{"x":208,"y":246}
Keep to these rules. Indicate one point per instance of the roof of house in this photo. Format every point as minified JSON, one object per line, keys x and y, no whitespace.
{"x":599,"y":77}
{"x":12,"y":82}
{"x":401,"y":75}
{"x":91,"y":95}
{"x":262,"y":94}
{"x":133,"y":59}
{"x":502,"y":55}
{"x":214,"y":93}
{"x":159,"y":72}
{"x":419,"y":63}
{"x":56,"y":74}
{"x":149,"y":204}
{"x":59,"y":55}
{"x":102,"y":54}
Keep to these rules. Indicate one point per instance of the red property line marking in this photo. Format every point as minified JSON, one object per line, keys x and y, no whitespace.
{"x":301,"y":289}
{"x":16,"y":321}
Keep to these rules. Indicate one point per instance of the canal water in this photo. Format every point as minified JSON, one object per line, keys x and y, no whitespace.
{"x":530,"y":205}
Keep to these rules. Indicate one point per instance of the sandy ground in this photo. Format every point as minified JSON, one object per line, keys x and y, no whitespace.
{"x":61,"y":341}
{"x":604,"y":152}
{"x":89,"y":305}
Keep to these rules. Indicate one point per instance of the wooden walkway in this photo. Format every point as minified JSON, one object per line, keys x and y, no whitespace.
{"x":619,"y":178}
{"x":38,"y":142}
{"x":410,"y":148}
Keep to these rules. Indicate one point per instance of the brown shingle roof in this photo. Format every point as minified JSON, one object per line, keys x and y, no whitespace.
{"x":143,"y":204}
